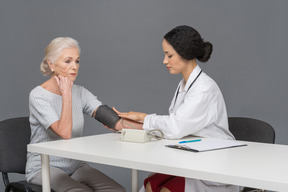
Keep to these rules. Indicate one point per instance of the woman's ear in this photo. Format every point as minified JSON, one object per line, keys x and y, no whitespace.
{"x":50,"y":65}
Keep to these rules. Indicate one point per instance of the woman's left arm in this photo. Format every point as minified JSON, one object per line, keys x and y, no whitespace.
{"x":112,"y":121}
{"x":132,"y":115}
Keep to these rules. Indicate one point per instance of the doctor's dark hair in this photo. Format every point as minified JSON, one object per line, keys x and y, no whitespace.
{"x":188,"y":43}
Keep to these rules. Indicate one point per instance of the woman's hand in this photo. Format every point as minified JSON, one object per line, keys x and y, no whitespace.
{"x":63,"y":127}
{"x":65,"y":84}
{"x":132,"y":115}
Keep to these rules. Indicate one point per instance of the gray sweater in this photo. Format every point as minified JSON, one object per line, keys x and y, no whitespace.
{"x":45,"y":109}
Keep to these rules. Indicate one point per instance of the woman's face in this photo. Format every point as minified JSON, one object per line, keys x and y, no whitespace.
{"x":173,"y":61}
{"x":67,"y":63}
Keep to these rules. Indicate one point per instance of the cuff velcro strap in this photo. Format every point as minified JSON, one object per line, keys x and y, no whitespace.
{"x":107,"y":116}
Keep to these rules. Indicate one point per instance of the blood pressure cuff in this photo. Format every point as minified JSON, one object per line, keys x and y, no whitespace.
{"x":107,"y":116}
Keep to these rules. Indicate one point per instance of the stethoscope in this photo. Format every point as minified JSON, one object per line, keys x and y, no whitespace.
{"x":188,"y":87}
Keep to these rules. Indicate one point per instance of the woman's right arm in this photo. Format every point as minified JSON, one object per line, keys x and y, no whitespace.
{"x":63,"y":127}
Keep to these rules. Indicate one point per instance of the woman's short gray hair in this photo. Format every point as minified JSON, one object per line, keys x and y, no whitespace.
{"x":53,"y":50}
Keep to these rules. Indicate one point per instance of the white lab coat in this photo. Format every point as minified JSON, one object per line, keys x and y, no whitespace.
{"x":198,"y":111}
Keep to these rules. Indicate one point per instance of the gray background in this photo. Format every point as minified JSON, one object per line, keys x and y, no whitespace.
{"x":121,"y":60}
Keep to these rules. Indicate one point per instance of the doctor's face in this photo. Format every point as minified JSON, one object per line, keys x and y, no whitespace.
{"x":173,"y":61}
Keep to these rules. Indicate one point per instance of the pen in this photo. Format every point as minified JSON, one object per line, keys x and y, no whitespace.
{"x":190,"y":141}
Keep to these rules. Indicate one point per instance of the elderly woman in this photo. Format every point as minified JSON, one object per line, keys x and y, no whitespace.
{"x":198,"y":107}
{"x":56,"y":112}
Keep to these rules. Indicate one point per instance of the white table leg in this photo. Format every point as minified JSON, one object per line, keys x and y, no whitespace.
{"x":45,"y":173}
{"x":134,"y":180}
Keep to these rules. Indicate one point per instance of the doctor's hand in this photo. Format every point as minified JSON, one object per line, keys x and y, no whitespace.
{"x":132,"y":115}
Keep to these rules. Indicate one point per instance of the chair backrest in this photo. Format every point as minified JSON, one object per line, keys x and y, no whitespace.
{"x":248,"y":129}
{"x":14,"y":137}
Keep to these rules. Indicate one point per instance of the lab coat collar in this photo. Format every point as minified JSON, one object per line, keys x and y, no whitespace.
{"x":191,"y":78}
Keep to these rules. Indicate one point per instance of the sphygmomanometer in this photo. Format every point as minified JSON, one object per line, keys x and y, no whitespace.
{"x":107,"y":116}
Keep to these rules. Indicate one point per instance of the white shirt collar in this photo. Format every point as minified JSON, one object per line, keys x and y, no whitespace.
{"x":184,"y":87}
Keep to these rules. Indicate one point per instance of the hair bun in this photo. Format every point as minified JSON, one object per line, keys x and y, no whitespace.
{"x":208,"y":48}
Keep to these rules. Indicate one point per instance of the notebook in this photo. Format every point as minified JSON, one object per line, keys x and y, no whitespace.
{"x":207,"y":145}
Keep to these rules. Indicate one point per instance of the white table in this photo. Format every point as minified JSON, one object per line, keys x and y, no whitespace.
{"x":256,"y":165}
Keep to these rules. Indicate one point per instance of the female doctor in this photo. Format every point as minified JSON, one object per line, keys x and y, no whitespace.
{"x":197,"y":108}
